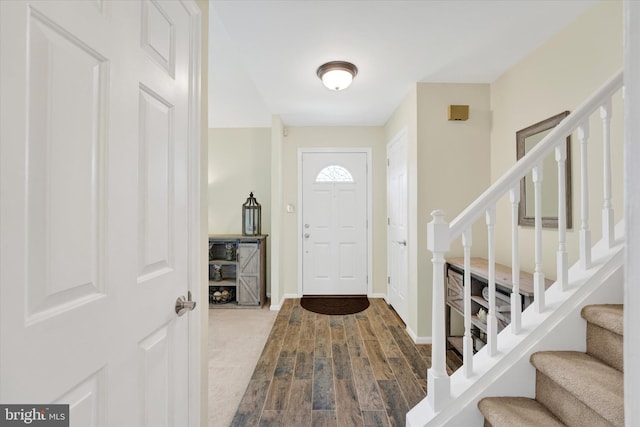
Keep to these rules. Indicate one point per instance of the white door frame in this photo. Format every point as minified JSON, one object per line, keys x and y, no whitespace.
{"x":369,"y":207}
{"x":193,"y":206}
{"x":631,"y":204}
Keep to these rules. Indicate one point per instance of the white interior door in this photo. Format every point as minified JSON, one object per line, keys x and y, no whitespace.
{"x":398,"y":280}
{"x":334,"y":217}
{"x":96,"y":116}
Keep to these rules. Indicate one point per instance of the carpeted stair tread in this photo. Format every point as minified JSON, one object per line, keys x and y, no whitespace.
{"x":607,"y":316}
{"x":594,"y":383}
{"x":516,"y":411}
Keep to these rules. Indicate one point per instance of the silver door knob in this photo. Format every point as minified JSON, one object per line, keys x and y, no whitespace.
{"x":183,"y":305}
{"x":306,"y":235}
{"x":403,"y":243}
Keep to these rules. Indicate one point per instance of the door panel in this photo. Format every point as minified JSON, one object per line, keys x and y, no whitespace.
{"x":153,"y":369}
{"x":94,"y":220}
{"x":334,"y":214}
{"x":155,"y":184}
{"x":248,"y":274}
{"x":63,"y":209}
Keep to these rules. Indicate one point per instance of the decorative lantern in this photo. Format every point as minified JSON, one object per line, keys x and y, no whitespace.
{"x":251,"y":217}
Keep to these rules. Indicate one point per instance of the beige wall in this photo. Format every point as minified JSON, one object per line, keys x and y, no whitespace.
{"x":239,"y":163}
{"x":454,"y":160}
{"x":448,"y":167}
{"x":559,"y":76}
{"x":307,"y":137}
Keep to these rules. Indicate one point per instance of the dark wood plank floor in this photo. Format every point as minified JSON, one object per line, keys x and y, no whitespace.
{"x":317,"y":370}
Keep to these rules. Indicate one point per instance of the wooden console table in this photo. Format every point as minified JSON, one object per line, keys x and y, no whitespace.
{"x":479,"y":271}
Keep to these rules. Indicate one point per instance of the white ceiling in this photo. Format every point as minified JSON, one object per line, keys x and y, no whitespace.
{"x":263,"y":54}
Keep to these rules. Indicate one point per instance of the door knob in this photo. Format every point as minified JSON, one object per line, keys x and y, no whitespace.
{"x":306,"y":235}
{"x":183,"y":305}
{"x":403,"y":243}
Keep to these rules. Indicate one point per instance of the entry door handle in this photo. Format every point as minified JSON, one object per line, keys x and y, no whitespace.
{"x":403,"y":242}
{"x":183,"y":305}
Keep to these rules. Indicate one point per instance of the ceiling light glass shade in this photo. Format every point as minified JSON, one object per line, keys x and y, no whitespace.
{"x":337,"y":75}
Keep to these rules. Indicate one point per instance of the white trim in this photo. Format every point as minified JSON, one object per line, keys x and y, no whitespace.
{"x":277,"y":307}
{"x":193,"y":206}
{"x":277,"y":260}
{"x":631,"y":353}
{"x":367,"y":152}
{"x":379,"y":295}
{"x":416,"y":339}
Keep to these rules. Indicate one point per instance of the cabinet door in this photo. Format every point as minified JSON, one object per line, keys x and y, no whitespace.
{"x":455,"y":290}
{"x":248,"y":274}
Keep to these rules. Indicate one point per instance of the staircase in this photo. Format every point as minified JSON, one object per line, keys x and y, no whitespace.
{"x":572,"y":388}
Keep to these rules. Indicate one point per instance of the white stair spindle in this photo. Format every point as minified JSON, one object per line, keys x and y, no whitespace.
{"x":607,"y":210}
{"x":562,"y":257}
{"x":492,"y":325}
{"x":538,"y":275}
{"x":585,"y":233}
{"x":516,"y":303}
{"x":467,"y":357}
{"x":438,"y":382}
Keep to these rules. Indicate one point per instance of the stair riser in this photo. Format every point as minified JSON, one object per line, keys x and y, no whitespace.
{"x":605,"y":345}
{"x":566,"y":406}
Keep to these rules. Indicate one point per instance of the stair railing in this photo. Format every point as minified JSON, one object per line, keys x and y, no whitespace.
{"x":440,"y":235}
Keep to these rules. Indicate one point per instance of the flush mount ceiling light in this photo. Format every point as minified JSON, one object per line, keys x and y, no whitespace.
{"x":337,"y":75}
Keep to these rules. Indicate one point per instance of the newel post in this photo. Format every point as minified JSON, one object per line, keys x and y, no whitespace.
{"x":438,"y":385}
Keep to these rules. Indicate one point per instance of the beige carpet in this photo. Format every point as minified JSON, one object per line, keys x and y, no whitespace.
{"x":572,"y":388}
{"x":236,"y":339}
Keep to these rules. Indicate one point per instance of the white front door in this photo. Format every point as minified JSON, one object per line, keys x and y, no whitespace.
{"x":398,"y":280}
{"x":334,"y":223}
{"x":96,"y":183}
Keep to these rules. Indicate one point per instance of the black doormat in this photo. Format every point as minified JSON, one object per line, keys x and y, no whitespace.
{"x":335,"y":304}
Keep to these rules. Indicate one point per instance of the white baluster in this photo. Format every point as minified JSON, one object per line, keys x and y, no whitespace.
{"x":607,"y":210}
{"x":585,"y":233}
{"x":467,"y":357}
{"x":438,"y":383}
{"x":516,"y":303}
{"x":538,"y":275}
{"x":492,"y":325}
{"x":562,"y":260}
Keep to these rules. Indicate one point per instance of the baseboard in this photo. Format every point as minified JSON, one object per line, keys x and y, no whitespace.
{"x":277,"y":307}
{"x":416,"y":339}
{"x":379,"y":295}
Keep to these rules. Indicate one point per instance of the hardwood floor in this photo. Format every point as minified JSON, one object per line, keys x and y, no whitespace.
{"x":317,"y":370}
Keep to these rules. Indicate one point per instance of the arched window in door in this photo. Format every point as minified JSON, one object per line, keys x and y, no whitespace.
{"x":334,"y":173}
